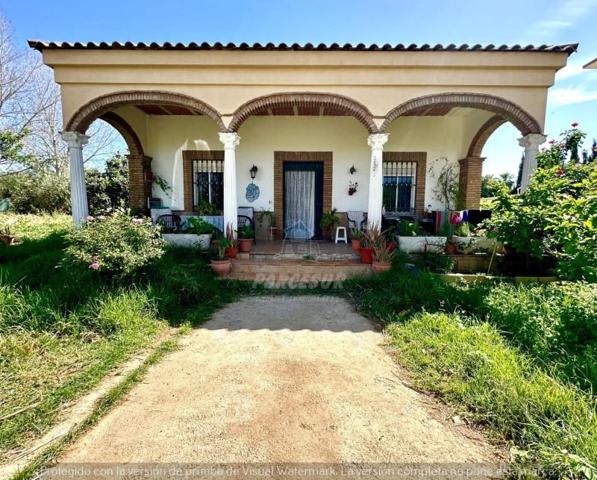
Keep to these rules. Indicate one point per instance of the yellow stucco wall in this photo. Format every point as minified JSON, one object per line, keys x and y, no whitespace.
{"x":168,"y":136}
{"x":379,"y":80}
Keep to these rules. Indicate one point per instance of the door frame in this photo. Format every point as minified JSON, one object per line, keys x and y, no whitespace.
{"x":279,"y":158}
{"x":317,"y":168}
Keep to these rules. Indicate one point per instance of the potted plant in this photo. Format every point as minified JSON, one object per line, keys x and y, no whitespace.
{"x":453,"y":223}
{"x":231,"y":250}
{"x":370,"y":239}
{"x":356,"y":235}
{"x":221,"y":265}
{"x":329,"y":222}
{"x":7,"y":235}
{"x":202,"y":230}
{"x":246,"y":234}
{"x":382,"y":256}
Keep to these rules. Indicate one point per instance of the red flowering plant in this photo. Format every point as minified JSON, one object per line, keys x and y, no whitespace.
{"x":555,"y":220}
{"x":567,"y":148}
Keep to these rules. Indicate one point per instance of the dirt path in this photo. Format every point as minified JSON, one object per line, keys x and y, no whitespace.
{"x":279,"y":379}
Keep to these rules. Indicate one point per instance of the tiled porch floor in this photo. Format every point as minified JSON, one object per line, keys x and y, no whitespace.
{"x":269,"y":249}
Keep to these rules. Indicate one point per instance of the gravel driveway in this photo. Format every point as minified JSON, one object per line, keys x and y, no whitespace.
{"x":279,"y":379}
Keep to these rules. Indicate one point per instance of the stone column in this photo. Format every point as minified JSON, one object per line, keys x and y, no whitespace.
{"x":78,"y":191}
{"x":470,"y":177}
{"x":530,"y":143}
{"x":230,"y":141}
{"x":376,"y":141}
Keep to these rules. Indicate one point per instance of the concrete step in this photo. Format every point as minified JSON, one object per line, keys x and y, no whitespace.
{"x":349,"y":267}
{"x":297,"y":273}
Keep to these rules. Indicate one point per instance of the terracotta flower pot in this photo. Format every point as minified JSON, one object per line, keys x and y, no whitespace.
{"x":356,"y":244}
{"x":221,"y":267}
{"x":245,"y":244}
{"x":450,"y":248}
{"x":366,"y":255}
{"x":379,"y":267}
{"x":231,"y":252}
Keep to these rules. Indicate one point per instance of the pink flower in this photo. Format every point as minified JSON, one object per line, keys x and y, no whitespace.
{"x":560,"y":172}
{"x":90,"y":218}
{"x":138,"y":221}
{"x":575,"y":124}
{"x":95,"y":265}
{"x":551,"y":142}
{"x":456,"y":219}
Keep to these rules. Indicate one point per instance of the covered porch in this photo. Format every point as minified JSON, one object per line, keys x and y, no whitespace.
{"x":293,"y":133}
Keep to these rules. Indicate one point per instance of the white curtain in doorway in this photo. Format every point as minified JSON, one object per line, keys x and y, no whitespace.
{"x":300,"y":204}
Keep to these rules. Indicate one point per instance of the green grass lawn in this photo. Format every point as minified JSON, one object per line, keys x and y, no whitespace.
{"x":520,"y":360}
{"x":63,"y":330}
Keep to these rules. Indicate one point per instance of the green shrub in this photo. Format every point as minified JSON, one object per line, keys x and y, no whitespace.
{"x":36,"y":192}
{"x":408,"y":228}
{"x":555,"y":323}
{"x":553,"y":426}
{"x":555,"y":217}
{"x":198,"y":226}
{"x":118,"y":245}
{"x":108,"y":190}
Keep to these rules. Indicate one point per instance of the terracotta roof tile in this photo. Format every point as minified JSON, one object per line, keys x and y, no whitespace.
{"x":45,"y":45}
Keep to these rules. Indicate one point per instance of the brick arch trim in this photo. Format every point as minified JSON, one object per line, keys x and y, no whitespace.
{"x":511,"y":112}
{"x":480,"y":139}
{"x":97,"y":107}
{"x":308,"y":99}
{"x":126,"y":131}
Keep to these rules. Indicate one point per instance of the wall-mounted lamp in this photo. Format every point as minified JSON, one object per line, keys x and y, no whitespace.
{"x":352,"y":170}
{"x":253,"y":172}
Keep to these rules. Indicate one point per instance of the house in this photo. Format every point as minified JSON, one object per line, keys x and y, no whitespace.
{"x":313,"y":119}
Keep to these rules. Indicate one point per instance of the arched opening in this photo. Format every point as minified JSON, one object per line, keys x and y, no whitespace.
{"x":311,"y":104}
{"x":471,"y":120}
{"x":309,"y":139}
{"x":506,"y":109}
{"x":127,"y":112}
{"x":166,"y":103}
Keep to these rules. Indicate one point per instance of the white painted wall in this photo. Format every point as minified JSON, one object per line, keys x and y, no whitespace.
{"x":167,"y":137}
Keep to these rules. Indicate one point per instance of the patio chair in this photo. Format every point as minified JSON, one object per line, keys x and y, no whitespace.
{"x":246,"y":216}
{"x":357,"y":219}
{"x":170,"y":223}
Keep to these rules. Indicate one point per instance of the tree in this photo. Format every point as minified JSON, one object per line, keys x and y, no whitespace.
{"x":491,"y":185}
{"x":30,"y":110}
{"x":107,"y":191}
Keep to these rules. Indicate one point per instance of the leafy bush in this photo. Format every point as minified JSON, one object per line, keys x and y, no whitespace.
{"x":553,"y":425}
{"x":36,"y":192}
{"x":408,"y":228}
{"x":555,"y":323}
{"x":555,"y":217}
{"x":108,"y":190}
{"x":198,"y":226}
{"x":118,"y":245}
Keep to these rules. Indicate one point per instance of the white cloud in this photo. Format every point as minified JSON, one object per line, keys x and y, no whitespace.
{"x":570,"y":95}
{"x":560,"y":18}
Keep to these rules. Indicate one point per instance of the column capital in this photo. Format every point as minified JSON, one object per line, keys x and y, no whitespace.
{"x":532,"y":140}
{"x":74,"y":139}
{"x":377,"y":140}
{"x":229,"y":139}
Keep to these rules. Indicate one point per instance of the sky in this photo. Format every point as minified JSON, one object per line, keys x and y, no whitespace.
{"x":573,"y":98}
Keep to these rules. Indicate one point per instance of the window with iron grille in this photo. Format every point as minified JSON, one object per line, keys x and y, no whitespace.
{"x":208,"y":182}
{"x":399,"y":186}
